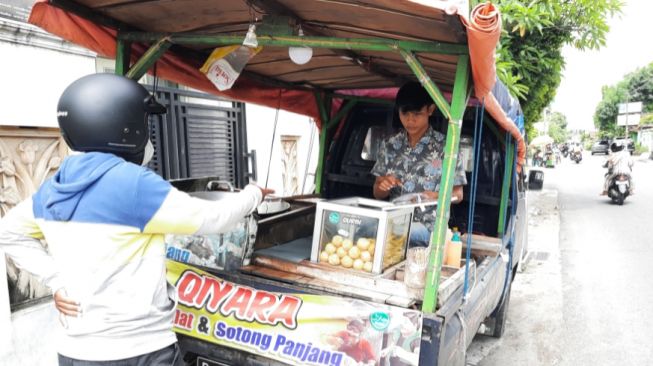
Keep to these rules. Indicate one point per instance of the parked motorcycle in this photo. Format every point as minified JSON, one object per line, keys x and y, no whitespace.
{"x":619,"y":188}
{"x":576,"y":156}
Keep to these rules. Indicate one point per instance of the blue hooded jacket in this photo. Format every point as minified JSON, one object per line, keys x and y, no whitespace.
{"x":99,"y":187}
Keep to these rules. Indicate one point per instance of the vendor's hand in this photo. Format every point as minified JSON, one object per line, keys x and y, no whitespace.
{"x":65,"y":304}
{"x":431,"y":195}
{"x":387,"y":182}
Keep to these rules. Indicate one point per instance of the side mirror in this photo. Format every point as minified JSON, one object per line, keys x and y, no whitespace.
{"x":535,"y":179}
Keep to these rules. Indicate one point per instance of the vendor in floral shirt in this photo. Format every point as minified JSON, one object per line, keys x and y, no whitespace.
{"x":411,"y":160}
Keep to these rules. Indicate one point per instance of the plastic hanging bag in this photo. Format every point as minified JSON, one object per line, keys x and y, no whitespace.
{"x":417,"y":260}
{"x":225,"y":64}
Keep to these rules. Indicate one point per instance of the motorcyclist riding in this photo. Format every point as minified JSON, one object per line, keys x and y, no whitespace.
{"x":576,"y":152}
{"x":618,"y":163}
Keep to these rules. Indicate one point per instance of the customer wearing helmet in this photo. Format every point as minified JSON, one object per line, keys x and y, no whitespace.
{"x":619,"y":162}
{"x":104,"y":217}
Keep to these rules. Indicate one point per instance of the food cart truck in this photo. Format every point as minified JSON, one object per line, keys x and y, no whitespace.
{"x":277,"y":289}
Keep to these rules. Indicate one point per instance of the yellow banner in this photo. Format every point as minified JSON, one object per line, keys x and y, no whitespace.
{"x":298,"y":329}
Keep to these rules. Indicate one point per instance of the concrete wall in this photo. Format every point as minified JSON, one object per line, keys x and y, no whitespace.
{"x":32,"y":81}
{"x":645,"y":137}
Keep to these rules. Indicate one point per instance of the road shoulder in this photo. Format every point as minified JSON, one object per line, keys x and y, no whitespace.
{"x":534,"y":329}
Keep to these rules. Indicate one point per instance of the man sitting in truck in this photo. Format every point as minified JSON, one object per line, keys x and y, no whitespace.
{"x":411,"y":160}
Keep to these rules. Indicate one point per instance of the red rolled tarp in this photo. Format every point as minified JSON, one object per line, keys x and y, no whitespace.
{"x":483,"y":33}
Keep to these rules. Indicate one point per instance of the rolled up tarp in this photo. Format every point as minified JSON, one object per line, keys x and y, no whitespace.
{"x":483,"y":32}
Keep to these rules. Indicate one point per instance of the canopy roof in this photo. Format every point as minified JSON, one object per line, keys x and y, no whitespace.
{"x":436,"y":34}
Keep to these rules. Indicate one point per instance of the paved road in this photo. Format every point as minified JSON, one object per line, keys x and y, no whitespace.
{"x":586,"y":299}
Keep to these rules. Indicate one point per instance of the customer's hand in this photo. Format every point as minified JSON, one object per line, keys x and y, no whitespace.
{"x":65,"y":304}
{"x":266,"y":191}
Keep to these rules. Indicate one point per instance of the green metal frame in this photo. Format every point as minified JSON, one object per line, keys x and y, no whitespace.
{"x":149,"y":58}
{"x":123,"y":56}
{"x":505,"y":189}
{"x":327,"y":124}
{"x":362,"y":44}
{"x":407,"y":49}
{"x":324,"y":106}
{"x":457,"y":110}
{"x":426,"y":81}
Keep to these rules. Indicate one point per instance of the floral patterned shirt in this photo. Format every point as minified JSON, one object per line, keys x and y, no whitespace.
{"x":418,"y":168}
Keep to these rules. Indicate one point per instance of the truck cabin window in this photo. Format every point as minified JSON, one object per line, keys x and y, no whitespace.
{"x":373,"y":140}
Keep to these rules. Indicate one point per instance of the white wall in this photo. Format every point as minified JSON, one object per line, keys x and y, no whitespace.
{"x":260,"y":127}
{"x":646,"y":139}
{"x":32,"y":81}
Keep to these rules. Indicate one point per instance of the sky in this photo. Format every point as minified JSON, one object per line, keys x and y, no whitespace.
{"x":628,"y":47}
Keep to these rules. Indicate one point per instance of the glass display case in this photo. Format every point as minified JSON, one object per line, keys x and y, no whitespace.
{"x":360,"y":234}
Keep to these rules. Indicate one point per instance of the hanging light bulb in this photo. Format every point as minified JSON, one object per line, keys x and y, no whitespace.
{"x":302,"y":54}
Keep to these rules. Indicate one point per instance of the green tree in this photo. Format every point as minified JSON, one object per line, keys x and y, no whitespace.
{"x":635,"y":87}
{"x":529,"y":56}
{"x":558,"y":127}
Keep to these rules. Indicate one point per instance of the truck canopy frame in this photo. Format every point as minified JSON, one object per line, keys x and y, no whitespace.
{"x":361,"y":49}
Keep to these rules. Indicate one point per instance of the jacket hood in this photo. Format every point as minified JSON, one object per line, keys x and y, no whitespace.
{"x":74,"y":177}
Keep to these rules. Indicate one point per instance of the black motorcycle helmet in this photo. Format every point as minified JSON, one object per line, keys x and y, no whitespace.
{"x":107,"y":113}
{"x":616,"y":146}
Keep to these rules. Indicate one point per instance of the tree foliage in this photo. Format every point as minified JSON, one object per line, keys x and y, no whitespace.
{"x":529,"y":57}
{"x":558,"y":127}
{"x":635,"y":87}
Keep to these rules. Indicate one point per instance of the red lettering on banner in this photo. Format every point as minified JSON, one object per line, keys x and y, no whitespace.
{"x":261,"y":305}
{"x":188,"y":286}
{"x":246,"y":304}
{"x":214,"y":290}
{"x":286,"y":312}
{"x":238,"y":302}
{"x":184,"y":320}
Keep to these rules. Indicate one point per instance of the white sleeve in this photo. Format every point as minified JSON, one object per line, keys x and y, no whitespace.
{"x":20,"y":240}
{"x":182,"y":214}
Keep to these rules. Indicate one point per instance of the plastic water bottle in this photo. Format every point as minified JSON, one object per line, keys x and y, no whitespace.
{"x":455,"y":250}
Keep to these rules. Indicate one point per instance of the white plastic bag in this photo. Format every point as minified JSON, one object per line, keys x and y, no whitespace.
{"x":225,"y":64}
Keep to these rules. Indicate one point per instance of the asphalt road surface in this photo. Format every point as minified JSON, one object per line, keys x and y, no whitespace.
{"x":587,"y":298}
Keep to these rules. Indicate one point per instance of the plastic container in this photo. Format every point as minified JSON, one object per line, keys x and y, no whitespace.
{"x":417,"y":260}
{"x":360,"y":234}
{"x":454,"y":251}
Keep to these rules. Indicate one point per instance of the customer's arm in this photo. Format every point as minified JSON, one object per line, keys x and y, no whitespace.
{"x":165,"y":210}
{"x":20,"y":239}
